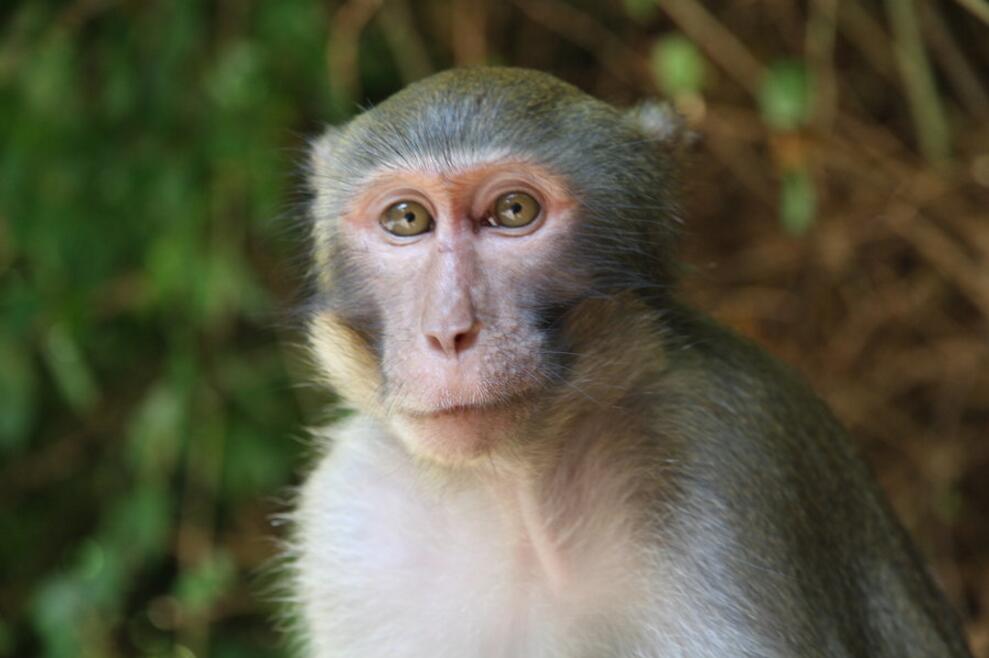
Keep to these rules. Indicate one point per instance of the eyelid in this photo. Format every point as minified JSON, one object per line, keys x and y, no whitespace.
{"x":383,"y":203}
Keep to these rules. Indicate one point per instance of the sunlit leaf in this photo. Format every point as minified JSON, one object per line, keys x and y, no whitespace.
{"x":154,"y":431}
{"x":785,"y":95}
{"x":49,"y":77}
{"x":56,"y":609}
{"x":678,"y":65}
{"x":234,"y":83}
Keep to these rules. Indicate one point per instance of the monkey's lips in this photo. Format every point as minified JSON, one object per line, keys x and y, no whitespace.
{"x":460,"y":410}
{"x":459,"y":432}
{"x":450,"y":404}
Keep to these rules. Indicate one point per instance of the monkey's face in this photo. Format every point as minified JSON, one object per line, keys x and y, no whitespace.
{"x":459,"y":267}
{"x":460,"y":229}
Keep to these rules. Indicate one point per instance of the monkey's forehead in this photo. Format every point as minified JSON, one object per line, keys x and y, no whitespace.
{"x":452,"y":162}
{"x":506,"y":87}
{"x":462,"y":112}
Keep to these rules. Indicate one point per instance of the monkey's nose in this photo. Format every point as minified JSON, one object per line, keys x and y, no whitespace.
{"x":452,"y":341}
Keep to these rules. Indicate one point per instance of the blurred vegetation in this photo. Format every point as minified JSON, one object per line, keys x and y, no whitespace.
{"x":151,"y":413}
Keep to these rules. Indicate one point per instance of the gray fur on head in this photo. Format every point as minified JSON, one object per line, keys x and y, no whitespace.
{"x":619,"y":166}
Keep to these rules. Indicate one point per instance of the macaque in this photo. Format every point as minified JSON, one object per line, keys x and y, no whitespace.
{"x":549,"y":455}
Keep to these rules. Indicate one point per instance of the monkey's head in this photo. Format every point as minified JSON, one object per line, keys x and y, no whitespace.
{"x":472,"y":235}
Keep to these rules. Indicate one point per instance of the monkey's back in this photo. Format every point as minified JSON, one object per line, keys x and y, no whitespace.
{"x":784,"y":524}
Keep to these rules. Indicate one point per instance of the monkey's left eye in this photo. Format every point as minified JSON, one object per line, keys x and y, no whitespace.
{"x":406,"y":218}
{"x":515,"y":209}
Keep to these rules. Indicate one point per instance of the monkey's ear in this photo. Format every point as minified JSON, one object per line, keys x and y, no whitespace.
{"x":660,"y":122}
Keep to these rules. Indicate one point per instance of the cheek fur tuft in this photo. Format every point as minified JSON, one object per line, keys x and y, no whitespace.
{"x":346,"y":360}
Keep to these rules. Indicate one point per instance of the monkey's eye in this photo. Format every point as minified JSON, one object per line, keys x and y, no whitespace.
{"x":406,"y":218}
{"x":515,"y":209}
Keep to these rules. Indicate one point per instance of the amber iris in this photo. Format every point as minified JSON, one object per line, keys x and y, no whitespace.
{"x":515,"y":210}
{"x":406,"y":218}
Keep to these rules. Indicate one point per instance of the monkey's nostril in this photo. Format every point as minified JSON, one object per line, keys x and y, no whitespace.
{"x":464,"y":340}
{"x":435,"y":343}
{"x":453,"y":343}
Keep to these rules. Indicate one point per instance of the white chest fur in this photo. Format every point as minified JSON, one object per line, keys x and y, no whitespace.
{"x":396,"y":560}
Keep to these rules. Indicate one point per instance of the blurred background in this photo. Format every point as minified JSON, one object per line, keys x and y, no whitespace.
{"x":153,"y":403}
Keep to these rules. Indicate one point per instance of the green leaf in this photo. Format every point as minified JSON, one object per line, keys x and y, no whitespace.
{"x":138,"y":524}
{"x":199,"y":588}
{"x":235,"y":84}
{"x":677,"y":65}
{"x":155,"y":430}
{"x":6,"y":638}
{"x":18,"y":395}
{"x":69,"y":367}
{"x":255,"y":462}
{"x":49,"y":76}
{"x":99,"y":570}
{"x":226,"y":286}
{"x":55,"y":611}
{"x":785,"y":95}
{"x":798,"y":201}
{"x":640,"y":10}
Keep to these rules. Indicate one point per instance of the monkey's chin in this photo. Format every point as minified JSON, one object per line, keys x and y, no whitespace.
{"x":460,"y":435}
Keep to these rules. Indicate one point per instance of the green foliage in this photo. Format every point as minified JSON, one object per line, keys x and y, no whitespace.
{"x":146,"y":416}
{"x":147,"y":420}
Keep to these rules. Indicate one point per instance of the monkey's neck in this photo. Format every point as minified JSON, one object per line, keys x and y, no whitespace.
{"x":540,"y":546}
{"x":572,"y":499}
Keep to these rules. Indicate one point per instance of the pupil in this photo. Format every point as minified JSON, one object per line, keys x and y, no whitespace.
{"x":410,"y":217}
{"x":516,"y":208}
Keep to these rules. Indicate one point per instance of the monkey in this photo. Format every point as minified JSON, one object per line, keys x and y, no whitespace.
{"x":547,"y":453}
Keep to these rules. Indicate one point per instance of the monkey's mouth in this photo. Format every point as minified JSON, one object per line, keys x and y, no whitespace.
{"x":459,"y":431}
{"x":463,"y":410}
{"x":478,"y":409}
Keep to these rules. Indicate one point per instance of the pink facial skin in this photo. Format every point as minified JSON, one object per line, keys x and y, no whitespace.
{"x":461,"y":355}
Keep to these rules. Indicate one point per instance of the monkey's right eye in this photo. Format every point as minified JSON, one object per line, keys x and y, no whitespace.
{"x":406,"y":218}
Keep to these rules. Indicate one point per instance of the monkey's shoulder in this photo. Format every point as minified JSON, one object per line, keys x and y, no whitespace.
{"x":717,"y":356}
{"x":750,"y":433}
{"x":755,"y":423}
{"x":745,"y":399}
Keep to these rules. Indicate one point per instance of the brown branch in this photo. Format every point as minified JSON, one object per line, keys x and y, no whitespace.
{"x":582,"y":29}
{"x":979,"y":8}
{"x":469,"y":28}
{"x":937,"y":247}
{"x":411,"y":56}
{"x":342,"y":50}
{"x":929,"y":120}
{"x":959,"y":72}
{"x":868,"y":36}
{"x":821,"y":29}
